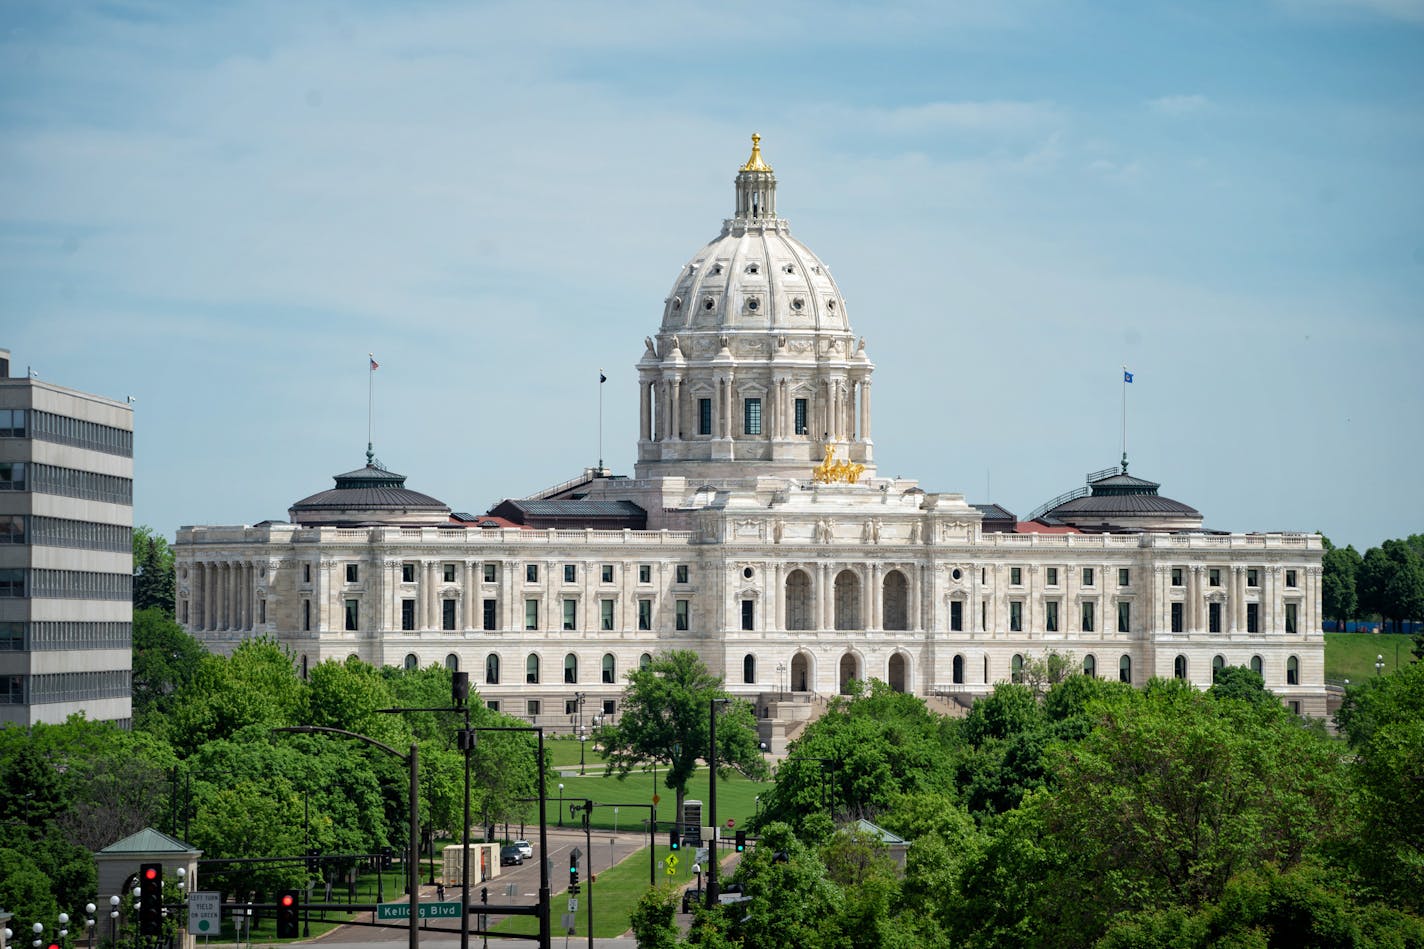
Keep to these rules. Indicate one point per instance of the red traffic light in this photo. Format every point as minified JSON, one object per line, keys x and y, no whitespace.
{"x":288,"y":899}
{"x":150,"y":873}
{"x":53,"y":945}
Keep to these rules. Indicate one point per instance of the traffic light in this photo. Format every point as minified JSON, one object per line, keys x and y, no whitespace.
{"x":674,"y":841}
{"x":460,"y":687}
{"x":573,"y":869}
{"x":741,"y":841}
{"x":150,"y":895}
{"x":288,"y":914}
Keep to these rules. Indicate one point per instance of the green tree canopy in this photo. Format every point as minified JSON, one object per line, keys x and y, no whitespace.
{"x":165,"y":659}
{"x":154,"y":581}
{"x":1339,"y":597}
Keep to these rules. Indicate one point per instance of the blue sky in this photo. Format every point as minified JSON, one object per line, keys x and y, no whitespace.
{"x":219,"y":209}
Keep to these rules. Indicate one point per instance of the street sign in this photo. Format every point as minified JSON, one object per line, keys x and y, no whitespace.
{"x":672,"y":859}
{"x":568,"y":922}
{"x":204,"y":912}
{"x":573,"y":904}
{"x":656,"y":799}
{"x":703,"y":855}
{"x":731,"y":822}
{"x":672,"y":871}
{"x":446,"y":910}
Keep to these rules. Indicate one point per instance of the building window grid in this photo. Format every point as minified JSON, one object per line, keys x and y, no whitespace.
{"x":66,"y":584}
{"x":84,"y":535}
{"x":46,"y":635}
{"x":81,"y":433}
{"x":751,"y":417}
{"x":69,"y":482}
{"x":47,"y":688}
{"x":605,"y":615}
{"x":682,"y":611}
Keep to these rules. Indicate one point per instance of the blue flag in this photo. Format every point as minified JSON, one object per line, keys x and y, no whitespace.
{"x":1126,"y":376}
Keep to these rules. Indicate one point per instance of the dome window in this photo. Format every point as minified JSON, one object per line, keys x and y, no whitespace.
{"x":716,"y":269}
{"x":753,"y":303}
{"x":831,"y":304}
{"x":677,"y":303}
{"x":708,"y":303}
{"x":753,"y":268}
{"x":798,"y":303}
{"x":815,"y":270}
{"x":789,"y":269}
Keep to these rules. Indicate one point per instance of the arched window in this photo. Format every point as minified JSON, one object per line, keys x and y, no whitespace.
{"x":531,"y":669}
{"x":1090,"y":666}
{"x":411,"y":662}
{"x":1124,"y":669}
{"x":1179,"y":667}
{"x":897,"y":671}
{"x":800,"y":673}
{"x":610,"y":669}
{"x":1217,"y":664}
{"x":958,"y":670}
{"x":798,"y":600}
{"x":571,"y":668}
{"x":645,"y":661}
{"x":895,"y":601}
{"x":1256,"y":665}
{"x":749,"y":669}
{"x":452,"y":662}
{"x":1292,"y":671}
{"x":492,"y":669}
{"x":847,"y":590}
{"x":1016,"y":667}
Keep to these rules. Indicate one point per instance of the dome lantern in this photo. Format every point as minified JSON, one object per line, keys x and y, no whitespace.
{"x":756,"y":188}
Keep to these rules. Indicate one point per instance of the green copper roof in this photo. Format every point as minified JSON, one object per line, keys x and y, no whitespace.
{"x":152,"y":841}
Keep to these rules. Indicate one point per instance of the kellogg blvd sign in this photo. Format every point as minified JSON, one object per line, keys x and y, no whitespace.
{"x":449,"y":910}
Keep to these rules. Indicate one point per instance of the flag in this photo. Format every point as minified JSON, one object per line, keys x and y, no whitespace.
{"x":374,"y":365}
{"x":1126,"y":376}
{"x":601,"y":377}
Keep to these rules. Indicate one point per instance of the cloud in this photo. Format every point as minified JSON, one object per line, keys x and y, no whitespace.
{"x":1179,"y":104}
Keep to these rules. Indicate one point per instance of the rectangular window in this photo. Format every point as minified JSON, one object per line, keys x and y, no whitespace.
{"x":1291,"y":610}
{"x":1016,"y":616}
{"x":1176,"y":617}
{"x":1124,"y":616}
{"x":12,"y":476}
{"x":570,"y":573}
{"x":407,"y":573}
{"x":492,"y":705}
{"x":983,"y":614}
{"x":353,"y":572}
{"x":1050,"y":616}
{"x":353,"y":614}
{"x":531,"y":614}
{"x":645,"y":614}
{"x":448,"y":572}
{"x":490,"y":573}
{"x":751,"y":416}
{"x":680,"y":573}
{"x":531,"y":573}
{"x":1088,"y":576}
{"x":1016,"y":576}
{"x":12,"y":423}
{"x":531,"y":707}
{"x":1124,"y":577}
{"x":610,"y":706}
{"x":1253,"y":617}
{"x":800,"y":410}
{"x":1087,"y":622}
{"x":570,"y":706}
{"x":605,"y":573}
{"x":12,"y":636}
{"x":748,"y":614}
{"x":489,"y":615}
{"x":704,"y":416}
{"x":1213,"y":617}
{"x":1213,"y":577}
{"x":605,"y":614}
{"x":683,"y":623}
{"x":1253,"y":577}
{"x":12,"y":582}
{"x":407,"y":615}
{"x":1290,"y":578}
{"x":447,"y":614}
{"x":306,"y":615}
{"x":306,"y":573}
{"x":570,"y":614}
{"x":645,"y":573}
{"x":1176,"y":576}
{"x":1051,"y":576}
{"x":956,"y":616}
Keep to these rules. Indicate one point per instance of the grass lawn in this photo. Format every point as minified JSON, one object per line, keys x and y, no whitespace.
{"x":736,"y":798}
{"x":564,"y":752}
{"x":1352,"y":655}
{"x":614,"y":895}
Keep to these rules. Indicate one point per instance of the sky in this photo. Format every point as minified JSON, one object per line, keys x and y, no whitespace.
{"x":220,"y":209}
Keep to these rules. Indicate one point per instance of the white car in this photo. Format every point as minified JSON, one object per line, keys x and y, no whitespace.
{"x":525,"y":849}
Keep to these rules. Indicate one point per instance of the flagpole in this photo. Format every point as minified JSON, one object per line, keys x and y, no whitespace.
{"x":370,"y":403}
{"x":1124,"y":420}
{"x":601,"y":378}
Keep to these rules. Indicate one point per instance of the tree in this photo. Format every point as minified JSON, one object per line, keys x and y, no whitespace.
{"x":1338,"y":594}
{"x":256,"y":685}
{"x":154,"y":582}
{"x":165,"y":659}
{"x":654,"y":919}
{"x":665,"y":720}
{"x":1391,"y":582}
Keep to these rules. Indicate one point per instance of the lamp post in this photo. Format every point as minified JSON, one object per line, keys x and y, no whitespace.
{"x":412,"y":761}
{"x":561,"y":804}
{"x":712,"y":866}
{"x":89,"y":921}
{"x":1379,"y":663}
{"x":578,"y":703}
{"x":113,"y":919}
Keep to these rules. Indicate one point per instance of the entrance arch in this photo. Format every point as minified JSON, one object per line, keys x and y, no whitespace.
{"x":848,"y":601}
{"x":898,"y":671}
{"x":849,"y":671}
{"x":895,"y":611}
{"x":800,"y":673}
{"x":798,"y":600}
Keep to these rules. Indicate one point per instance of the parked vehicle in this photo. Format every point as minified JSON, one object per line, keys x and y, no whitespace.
{"x":510,"y":856}
{"x":526,"y":850}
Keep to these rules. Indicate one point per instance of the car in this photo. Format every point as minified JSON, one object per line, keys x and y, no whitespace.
{"x":510,"y":856}
{"x":525,"y":849}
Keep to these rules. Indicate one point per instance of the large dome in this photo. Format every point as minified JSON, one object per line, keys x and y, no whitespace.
{"x":755,"y":371}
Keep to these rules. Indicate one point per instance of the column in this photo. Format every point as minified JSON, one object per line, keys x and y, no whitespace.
{"x":675,"y":419}
{"x":469,"y":595}
{"x":427,"y":593}
{"x":873,"y":620}
{"x":865,"y":410}
{"x":824,"y":598}
{"x":645,"y":410}
{"x":1194,"y":592}
{"x":717,"y":407}
{"x":1233,"y":591}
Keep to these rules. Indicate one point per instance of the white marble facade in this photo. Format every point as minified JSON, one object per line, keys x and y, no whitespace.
{"x":782,"y":584}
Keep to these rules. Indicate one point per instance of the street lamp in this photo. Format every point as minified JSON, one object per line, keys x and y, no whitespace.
{"x":712,"y":865}
{"x":89,"y":921}
{"x":582,"y":735}
{"x":113,"y":918}
{"x":561,"y":804}
{"x":1379,"y":663}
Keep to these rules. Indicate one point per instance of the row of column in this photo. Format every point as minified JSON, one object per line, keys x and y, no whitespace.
{"x":222,"y":595}
{"x":840,"y":410}
{"x":823,"y":576}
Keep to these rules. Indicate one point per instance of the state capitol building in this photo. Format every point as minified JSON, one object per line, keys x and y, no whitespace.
{"x":756,"y":531}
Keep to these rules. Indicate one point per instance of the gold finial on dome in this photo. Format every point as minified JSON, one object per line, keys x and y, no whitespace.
{"x":756,"y":162}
